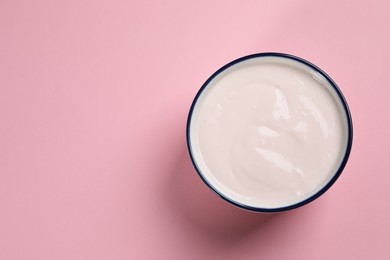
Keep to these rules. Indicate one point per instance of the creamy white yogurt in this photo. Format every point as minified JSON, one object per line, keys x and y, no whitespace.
{"x":268,"y":132}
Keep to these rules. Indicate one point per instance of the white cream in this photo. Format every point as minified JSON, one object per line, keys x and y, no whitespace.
{"x":268,"y":132}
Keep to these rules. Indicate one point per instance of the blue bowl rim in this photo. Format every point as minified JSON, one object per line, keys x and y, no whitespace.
{"x":315,"y":195}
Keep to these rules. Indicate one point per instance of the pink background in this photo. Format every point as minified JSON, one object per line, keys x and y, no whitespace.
{"x":94,"y":97}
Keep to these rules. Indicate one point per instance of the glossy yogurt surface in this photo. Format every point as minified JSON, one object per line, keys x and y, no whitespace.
{"x":268,"y":132}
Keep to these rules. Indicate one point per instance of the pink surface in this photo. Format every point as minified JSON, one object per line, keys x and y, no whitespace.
{"x":93,"y":103}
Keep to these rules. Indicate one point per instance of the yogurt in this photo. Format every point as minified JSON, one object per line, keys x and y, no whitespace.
{"x":269,"y":131}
